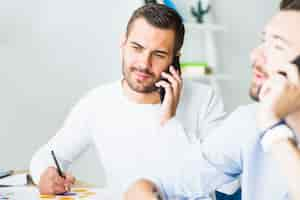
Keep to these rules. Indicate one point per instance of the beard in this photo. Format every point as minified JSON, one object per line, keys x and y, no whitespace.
{"x":147,"y":86}
{"x":255,"y":91}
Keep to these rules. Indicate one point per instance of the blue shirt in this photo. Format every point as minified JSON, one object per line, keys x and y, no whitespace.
{"x":232,"y":151}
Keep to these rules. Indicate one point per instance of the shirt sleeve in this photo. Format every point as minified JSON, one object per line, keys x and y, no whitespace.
{"x":212,"y":114}
{"x":207,"y":115}
{"x":196,"y":179}
{"x":74,"y":133}
{"x":205,"y":168}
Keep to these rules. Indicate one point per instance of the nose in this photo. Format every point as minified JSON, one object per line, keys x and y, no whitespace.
{"x":258,"y":57}
{"x":145,"y":61}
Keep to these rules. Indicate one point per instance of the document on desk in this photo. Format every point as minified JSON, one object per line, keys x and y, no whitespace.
{"x":18,"y":193}
{"x":14,"y":180}
{"x":32,"y":193}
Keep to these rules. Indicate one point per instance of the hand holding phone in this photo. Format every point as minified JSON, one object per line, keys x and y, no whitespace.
{"x":170,"y":89}
{"x":280,"y":94}
{"x":176,"y":65}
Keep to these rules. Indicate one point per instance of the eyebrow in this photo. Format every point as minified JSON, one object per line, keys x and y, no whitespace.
{"x":156,"y":51}
{"x":278,"y":37}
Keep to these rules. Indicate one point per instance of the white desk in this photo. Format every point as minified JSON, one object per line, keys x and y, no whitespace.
{"x":31,"y":193}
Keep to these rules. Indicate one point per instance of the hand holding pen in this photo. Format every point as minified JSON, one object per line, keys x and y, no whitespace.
{"x":54,"y":180}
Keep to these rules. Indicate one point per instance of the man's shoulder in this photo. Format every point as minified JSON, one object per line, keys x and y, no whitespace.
{"x":243,"y":117}
{"x":104,"y":89}
{"x":101,"y":92}
{"x":246,"y":110}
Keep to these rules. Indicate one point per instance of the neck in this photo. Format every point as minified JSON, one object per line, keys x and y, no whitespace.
{"x":138,"y":97}
{"x":293,"y":121}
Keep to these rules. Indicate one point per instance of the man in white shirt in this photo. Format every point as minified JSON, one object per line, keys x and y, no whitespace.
{"x":126,"y":120}
{"x":257,"y":142}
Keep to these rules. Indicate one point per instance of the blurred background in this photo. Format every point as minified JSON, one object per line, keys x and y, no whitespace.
{"x":53,"y":51}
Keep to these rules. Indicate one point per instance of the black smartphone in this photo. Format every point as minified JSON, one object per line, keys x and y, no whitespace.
{"x":176,"y":64}
{"x":297,"y":62}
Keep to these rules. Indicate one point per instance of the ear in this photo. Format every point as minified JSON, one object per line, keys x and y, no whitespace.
{"x":178,"y":54}
{"x":123,"y":40}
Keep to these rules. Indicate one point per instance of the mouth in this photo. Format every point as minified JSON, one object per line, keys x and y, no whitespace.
{"x":259,"y":77}
{"x":141,"y":76}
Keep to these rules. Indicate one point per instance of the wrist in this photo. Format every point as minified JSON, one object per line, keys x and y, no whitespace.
{"x":165,"y":118}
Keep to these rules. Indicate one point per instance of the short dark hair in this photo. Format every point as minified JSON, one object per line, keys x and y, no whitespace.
{"x":160,"y":16}
{"x":293,"y":5}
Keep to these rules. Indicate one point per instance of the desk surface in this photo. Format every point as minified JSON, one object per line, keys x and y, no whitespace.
{"x":78,"y":183}
{"x":31,"y":193}
{"x":80,"y":190}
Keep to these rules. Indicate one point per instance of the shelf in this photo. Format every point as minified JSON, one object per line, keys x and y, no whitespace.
{"x":204,"y":27}
{"x":210,"y":77}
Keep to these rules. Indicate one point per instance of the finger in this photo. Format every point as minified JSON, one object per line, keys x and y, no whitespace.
{"x":265,"y":89}
{"x":278,"y":82}
{"x":275,"y":84}
{"x":176,"y":74}
{"x":69,"y":178}
{"x":166,"y":86}
{"x":170,"y":78}
{"x":289,"y":71}
{"x":59,"y":189}
{"x":292,"y":73}
{"x":59,"y":180}
{"x":67,"y":186}
{"x":173,"y":82}
{"x":178,"y":78}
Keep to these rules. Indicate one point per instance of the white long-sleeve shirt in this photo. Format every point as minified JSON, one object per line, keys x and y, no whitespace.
{"x":127,"y":135}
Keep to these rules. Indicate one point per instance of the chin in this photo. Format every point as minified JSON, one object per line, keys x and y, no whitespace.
{"x":140,"y":88}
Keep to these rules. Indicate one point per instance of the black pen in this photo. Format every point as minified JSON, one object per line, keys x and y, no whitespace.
{"x":57,"y":165}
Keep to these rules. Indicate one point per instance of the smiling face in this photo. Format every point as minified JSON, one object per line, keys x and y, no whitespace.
{"x":280,"y":45}
{"x":146,"y":53}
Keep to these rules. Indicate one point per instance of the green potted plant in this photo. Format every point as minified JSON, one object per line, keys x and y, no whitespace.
{"x":200,"y":11}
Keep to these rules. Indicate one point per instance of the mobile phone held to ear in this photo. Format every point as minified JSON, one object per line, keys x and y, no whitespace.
{"x":297,"y":62}
{"x":176,"y":64}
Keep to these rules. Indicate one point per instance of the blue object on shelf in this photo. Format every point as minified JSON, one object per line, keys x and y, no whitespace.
{"x":170,"y":4}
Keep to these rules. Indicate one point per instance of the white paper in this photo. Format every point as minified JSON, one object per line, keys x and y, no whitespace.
{"x":14,"y":180}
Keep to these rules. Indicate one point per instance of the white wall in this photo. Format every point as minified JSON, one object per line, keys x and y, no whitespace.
{"x":244,"y":22}
{"x":52,"y":52}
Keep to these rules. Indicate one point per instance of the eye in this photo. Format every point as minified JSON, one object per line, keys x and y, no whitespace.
{"x":137,"y":48}
{"x":278,"y":47}
{"x":161,"y":56}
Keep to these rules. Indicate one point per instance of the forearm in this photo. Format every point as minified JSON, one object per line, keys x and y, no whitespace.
{"x":41,"y":160}
{"x":287,"y":156}
{"x":39,"y":163}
